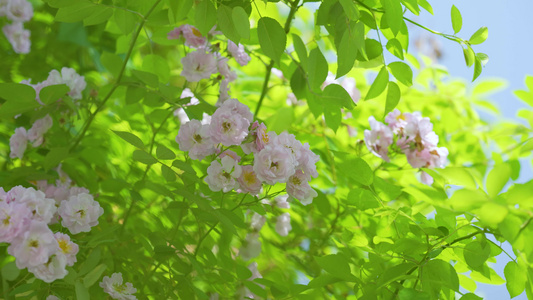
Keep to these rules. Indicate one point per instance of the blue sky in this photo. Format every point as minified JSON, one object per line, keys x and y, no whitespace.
{"x":509,"y":46}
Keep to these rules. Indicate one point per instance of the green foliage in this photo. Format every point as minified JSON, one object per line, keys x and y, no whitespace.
{"x":368,"y":234}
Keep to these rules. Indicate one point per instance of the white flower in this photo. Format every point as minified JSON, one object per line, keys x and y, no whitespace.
{"x":52,"y":297}
{"x":38,"y":129}
{"x":378,"y":139}
{"x":14,"y":220}
{"x":225,"y":70}
{"x":18,"y":37}
{"x":238,"y":53}
{"x":79,"y":213}
{"x":68,"y":76}
{"x":19,"y":10}
{"x":34,"y":247}
{"x":18,"y":143}
{"x":281,"y":201}
{"x":257,"y":221}
{"x":230,"y":123}
{"x":43,"y":208}
{"x":307,"y":161}
{"x":283,"y":224}
{"x":248,"y":181}
{"x":223,"y":175}
{"x":288,"y":141}
{"x":115,"y":287}
{"x":51,"y":270}
{"x":274,"y":164}
{"x":67,"y":248}
{"x":298,"y":187}
{"x":198,"y":65}
{"x":251,"y":247}
{"x":195,"y":138}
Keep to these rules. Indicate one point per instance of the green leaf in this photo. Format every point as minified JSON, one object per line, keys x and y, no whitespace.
{"x":402,"y":72}
{"x":205,"y":16}
{"x":54,"y":157}
{"x":379,"y":84}
{"x":362,"y":199}
{"x":281,"y":120}
{"x":352,"y":42}
{"x":76,"y":12}
{"x":476,"y":254}
{"x":168,"y":174}
{"x":112,"y":62}
{"x":479,"y":36}
{"x":457,"y":20}
{"x":470,"y":296}
{"x":393,"y":14}
{"x":301,"y":50}
{"x":134,"y":94}
{"x":146,"y":77}
{"x":100,"y":14}
{"x":487,"y":87}
{"x":180,"y":9}
{"x":317,"y":69}
{"x":393,"y":97}
{"x":272,"y":38}
{"x":241,"y":22}
{"x":395,"y":48}
{"x":350,"y":9}
{"x":412,"y":294}
{"x":394,"y":273}
{"x":243,"y":272}
{"x":477,"y":68}
{"x":333,"y":117}
{"x":484,"y":58}
{"x":225,"y":22}
{"x":515,"y":279}
{"x":17,"y":92}
{"x":156,"y":64}
{"x":10,"y":271}
{"x":466,"y":199}
{"x":425,"y":5}
{"x":358,"y":170}
{"x":143,"y":157}
{"x":336,"y":95}
{"x":336,"y":265}
{"x":93,"y":276}
{"x":81,"y":291}
{"x":469,"y":55}
{"x":125,"y":20}
{"x":497,"y":178}
{"x":437,"y":274}
{"x":53,"y":93}
{"x":130,"y":138}
{"x":164,"y":153}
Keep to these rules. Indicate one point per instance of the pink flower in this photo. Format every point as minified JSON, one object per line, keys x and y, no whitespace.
{"x":14,"y":220}
{"x":33,"y":247}
{"x":18,"y":37}
{"x":378,"y":139}
{"x":238,"y":53}
{"x":223,"y":91}
{"x":274,"y":164}
{"x":396,"y":121}
{"x":223,"y":175}
{"x":18,"y":143}
{"x":230,"y":123}
{"x":425,"y":178}
{"x":298,"y":187}
{"x":427,"y":158}
{"x":248,"y":181}
{"x":225,"y":70}
{"x":38,"y":129}
{"x":287,"y":141}
{"x":42,"y":208}
{"x":79,"y":213}
{"x":68,"y":76}
{"x":193,"y":37}
{"x":67,"y":247}
{"x":283,"y":224}
{"x":262,"y":138}
{"x":52,"y":269}
{"x":19,"y":10}
{"x":418,"y":134}
{"x":195,"y":138}
{"x":198,"y":65}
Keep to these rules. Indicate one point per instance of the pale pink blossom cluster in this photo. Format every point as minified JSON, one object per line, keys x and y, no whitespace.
{"x":276,"y":158}
{"x":117,"y":289}
{"x":68,"y":76}
{"x":18,"y":12}
{"x":414,"y":137}
{"x":35,"y":135}
{"x":206,"y":60}
{"x":25,"y":214}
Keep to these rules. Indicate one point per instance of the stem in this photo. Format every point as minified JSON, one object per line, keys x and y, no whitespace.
{"x":119,"y":78}
{"x":287,"y":28}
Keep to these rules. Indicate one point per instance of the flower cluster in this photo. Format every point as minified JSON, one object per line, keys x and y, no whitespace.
{"x":206,"y":61}
{"x":35,"y":135}
{"x":25,"y":214}
{"x":115,"y":287}
{"x":414,"y":137}
{"x":277,"y":158}
{"x":18,"y":12}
